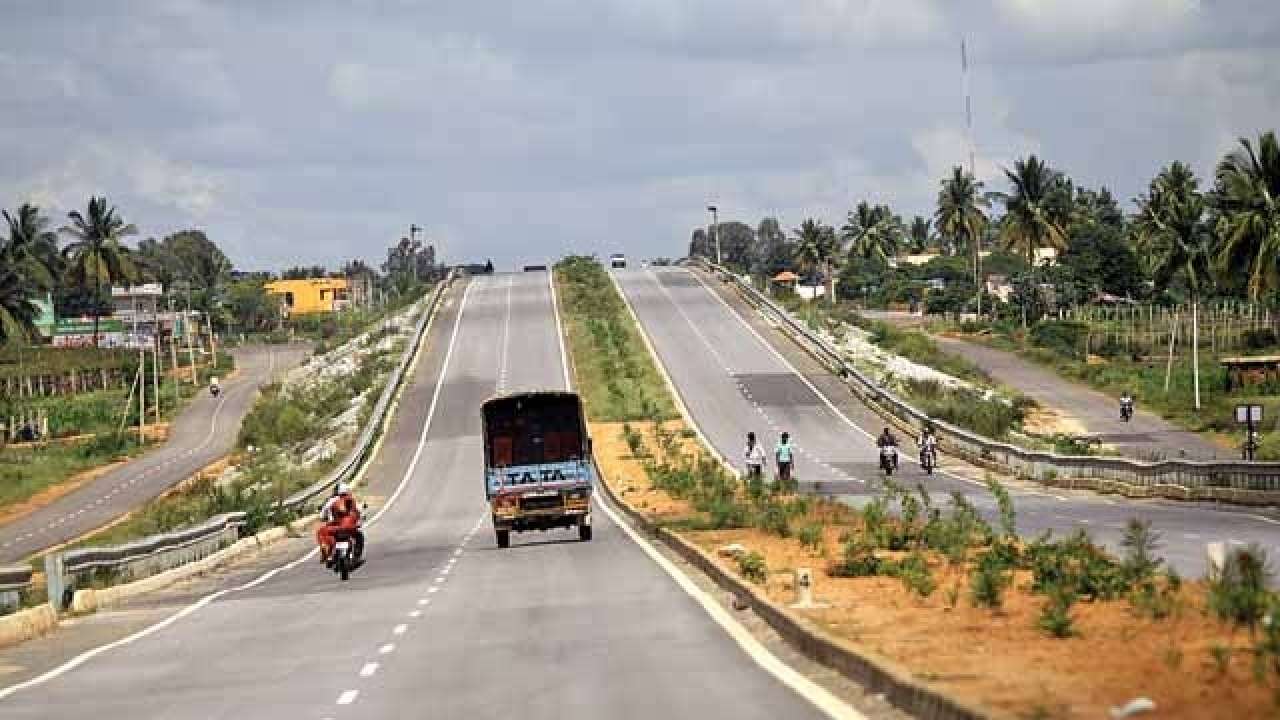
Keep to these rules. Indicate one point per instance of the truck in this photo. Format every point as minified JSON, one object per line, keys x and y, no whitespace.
{"x":538,"y":470}
{"x":617,"y":261}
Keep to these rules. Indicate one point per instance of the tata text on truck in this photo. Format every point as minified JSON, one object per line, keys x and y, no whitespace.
{"x":538,"y":473}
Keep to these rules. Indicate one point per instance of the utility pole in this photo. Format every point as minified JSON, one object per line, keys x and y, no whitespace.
{"x":186,"y":330}
{"x":715,"y":232}
{"x":968,"y":122}
{"x":155,"y":355}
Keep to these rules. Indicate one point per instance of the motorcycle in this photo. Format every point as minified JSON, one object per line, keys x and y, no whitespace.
{"x":215,"y":389}
{"x":928,"y":459}
{"x":888,"y":459}
{"x":346,"y":557}
{"x":1126,"y":411}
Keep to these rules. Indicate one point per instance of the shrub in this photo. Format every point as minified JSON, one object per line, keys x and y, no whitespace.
{"x":1239,"y":593}
{"x":635,"y":443}
{"x":1259,"y":339}
{"x":752,"y":566}
{"x":915,"y":574}
{"x":1074,"y":564}
{"x":1055,"y":617}
{"x":726,"y":514}
{"x":988,"y":581}
{"x":1060,"y":336}
{"x":857,"y":560}
{"x":811,"y":537}
{"x":1140,"y":544}
{"x":1157,"y":601}
{"x":773,"y":518}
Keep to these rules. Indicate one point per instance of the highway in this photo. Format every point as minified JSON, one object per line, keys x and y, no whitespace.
{"x":736,"y":373}
{"x":440,"y":622}
{"x":202,"y":433}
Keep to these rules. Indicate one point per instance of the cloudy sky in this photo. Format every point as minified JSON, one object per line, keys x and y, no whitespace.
{"x":312,"y":131}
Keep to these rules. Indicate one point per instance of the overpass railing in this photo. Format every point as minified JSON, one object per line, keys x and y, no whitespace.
{"x":1250,"y":483}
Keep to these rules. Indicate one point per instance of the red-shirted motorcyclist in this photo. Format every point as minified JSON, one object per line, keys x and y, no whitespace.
{"x":340,"y":512}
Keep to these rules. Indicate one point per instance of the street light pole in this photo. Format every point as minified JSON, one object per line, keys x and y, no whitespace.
{"x":715,"y":232}
{"x":413,"y":248}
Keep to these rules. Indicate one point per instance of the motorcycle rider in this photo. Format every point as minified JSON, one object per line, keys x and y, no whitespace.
{"x":214,"y":387}
{"x":887,"y":440}
{"x":340,"y":512}
{"x":1126,"y":405}
{"x":928,"y":444}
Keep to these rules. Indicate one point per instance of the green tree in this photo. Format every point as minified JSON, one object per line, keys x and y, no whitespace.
{"x":1247,"y":203}
{"x":816,"y":245}
{"x":921,"y":234}
{"x":1035,"y":216}
{"x":96,"y":257}
{"x":773,"y":251}
{"x":25,"y":273}
{"x":872,"y":232}
{"x":1171,"y":227}
{"x":961,"y":219}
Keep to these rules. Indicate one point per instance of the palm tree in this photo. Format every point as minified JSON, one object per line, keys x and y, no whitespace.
{"x":25,"y":272}
{"x":872,"y":232}
{"x":816,"y":245}
{"x":1172,"y":230}
{"x":921,"y":233}
{"x":1035,"y":216}
{"x":95,"y":255}
{"x":961,"y":218}
{"x":1247,"y":200}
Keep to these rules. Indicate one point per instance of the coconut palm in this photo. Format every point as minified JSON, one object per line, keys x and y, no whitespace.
{"x":872,"y":232}
{"x":95,"y":255}
{"x":961,"y":218}
{"x":816,"y":245}
{"x":25,"y":272}
{"x":1035,"y":216}
{"x":1171,"y":228}
{"x":1247,"y":200}
{"x":921,"y":234}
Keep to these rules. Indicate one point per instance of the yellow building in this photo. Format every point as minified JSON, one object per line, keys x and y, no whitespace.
{"x":310,"y":295}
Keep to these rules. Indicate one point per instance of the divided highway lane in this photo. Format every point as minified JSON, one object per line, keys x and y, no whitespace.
{"x":204,"y":431}
{"x":441,"y":623}
{"x":728,"y":366}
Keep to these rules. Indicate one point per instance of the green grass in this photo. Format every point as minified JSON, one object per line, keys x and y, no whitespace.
{"x":615,"y":373}
{"x":27,"y":471}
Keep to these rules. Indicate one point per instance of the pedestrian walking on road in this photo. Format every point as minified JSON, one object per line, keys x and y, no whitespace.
{"x":783,"y":456}
{"x":754,"y":456}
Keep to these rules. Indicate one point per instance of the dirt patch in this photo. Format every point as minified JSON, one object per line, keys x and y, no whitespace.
{"x":1000,"y":659}
{"x":1047,"y":421}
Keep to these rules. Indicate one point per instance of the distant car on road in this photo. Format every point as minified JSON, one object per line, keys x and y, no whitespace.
{"x":617,"y":260}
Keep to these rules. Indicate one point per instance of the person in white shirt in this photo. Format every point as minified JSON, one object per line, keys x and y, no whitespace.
{"x":755,"y":457}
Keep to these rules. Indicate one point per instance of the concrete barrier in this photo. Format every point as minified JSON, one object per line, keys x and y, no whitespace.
{"x":27,"y":624}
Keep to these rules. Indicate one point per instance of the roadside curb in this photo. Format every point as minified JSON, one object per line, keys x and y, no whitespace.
{"x":27,"y":624}
{"x":875,"y":674}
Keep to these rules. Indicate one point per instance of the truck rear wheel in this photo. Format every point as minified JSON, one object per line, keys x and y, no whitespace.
{"x":584,"y":533}
{"x":504,"y":538}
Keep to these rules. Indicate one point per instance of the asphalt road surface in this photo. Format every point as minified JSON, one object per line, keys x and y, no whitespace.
{"x":1146,"y":437}
{"x":736,"y":374}
{"x":440,"y":622}
{"x":204,"y":431}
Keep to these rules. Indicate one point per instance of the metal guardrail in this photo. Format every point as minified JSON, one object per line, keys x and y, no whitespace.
{"x":14,"y":580}
{"x":67,"y":571}
{"x":1251,"y":483}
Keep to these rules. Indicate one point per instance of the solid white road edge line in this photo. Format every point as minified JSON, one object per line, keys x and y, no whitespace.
{"x":818,"y":696}
{"x":555,"y":310}
{"x":202,"y":602}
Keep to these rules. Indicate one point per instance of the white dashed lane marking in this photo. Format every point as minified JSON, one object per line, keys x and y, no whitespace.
{"x":369,"y":669}
{"x":348,"y":697}
{"x":387,"y":649}
{"x":400,"y":629}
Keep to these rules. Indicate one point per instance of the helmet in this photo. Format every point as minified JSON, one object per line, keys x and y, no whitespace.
{"x":342,"y":488}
